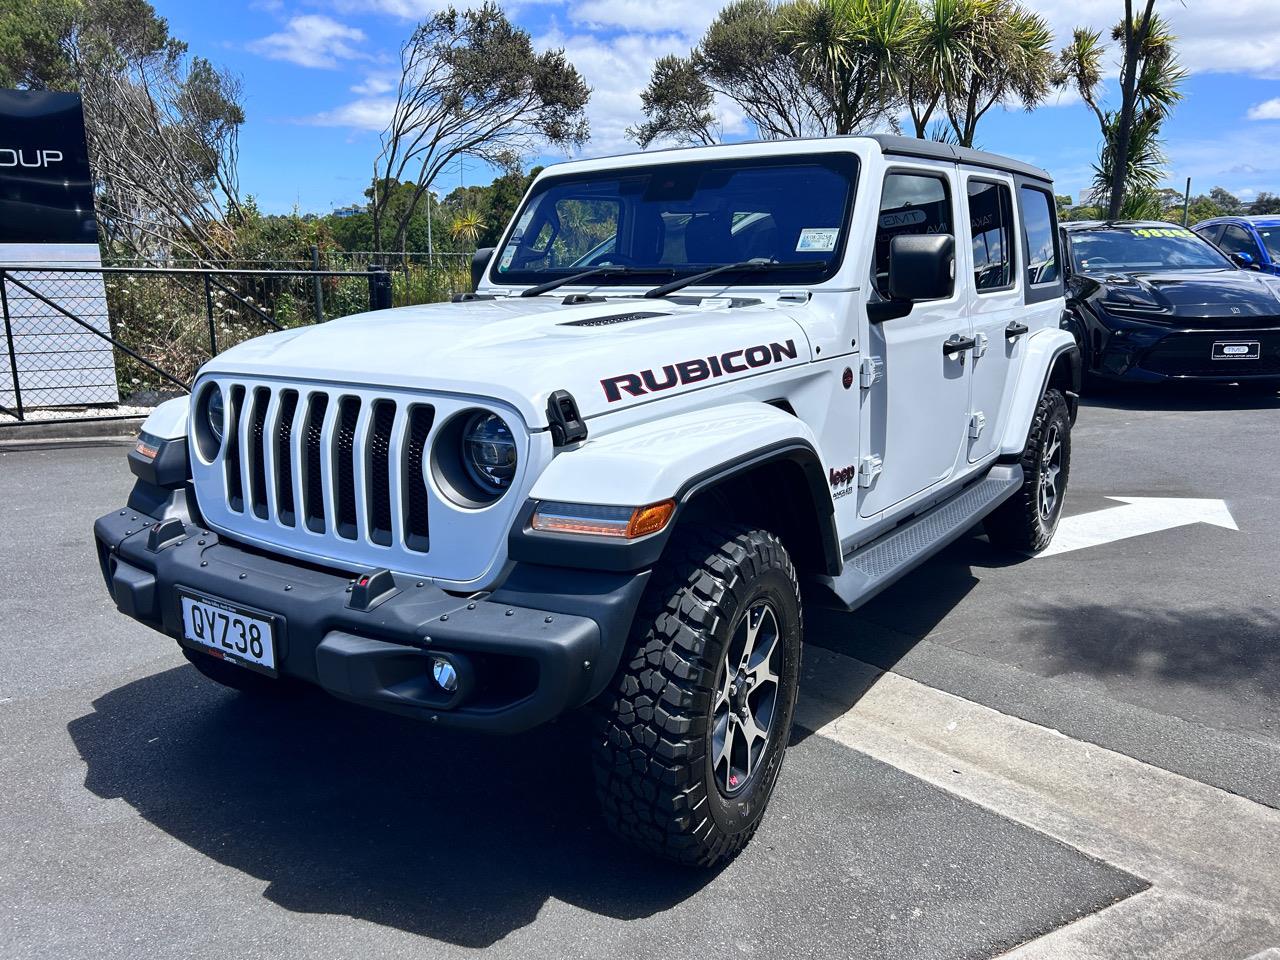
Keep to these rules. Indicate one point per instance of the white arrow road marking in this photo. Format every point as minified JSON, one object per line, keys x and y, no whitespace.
{"x":1138,"y":516}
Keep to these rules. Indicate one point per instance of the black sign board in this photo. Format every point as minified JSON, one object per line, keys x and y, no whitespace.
{"x":46,"y":189}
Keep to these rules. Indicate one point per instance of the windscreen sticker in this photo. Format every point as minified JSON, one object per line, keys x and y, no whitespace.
{"x":1161,"y":232}
{"x":817,"y":239}
{"x":508,"y":255}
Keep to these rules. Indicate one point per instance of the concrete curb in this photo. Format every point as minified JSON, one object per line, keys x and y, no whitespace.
{"x":45,"y":430}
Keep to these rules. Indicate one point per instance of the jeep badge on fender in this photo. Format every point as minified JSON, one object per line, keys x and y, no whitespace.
{"x":734,"y":377}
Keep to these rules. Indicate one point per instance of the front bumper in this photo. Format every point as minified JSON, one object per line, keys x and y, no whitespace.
{"x":545,"y":641}
{"x":1143,"y":352}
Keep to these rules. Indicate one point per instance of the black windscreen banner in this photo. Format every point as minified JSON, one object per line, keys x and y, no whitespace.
{"x":46,"y":189}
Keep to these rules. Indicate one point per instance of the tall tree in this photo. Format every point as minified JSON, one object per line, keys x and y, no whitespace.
{"x":1266,"y":203}
{"x":1131,"y":162}
{"x":471,"y":85}
{"x":162,"y":128}
{"x":747,"y":58}
{"x":853,"y":51}
{"x":678,"y":106}
{"x":967,"y":56}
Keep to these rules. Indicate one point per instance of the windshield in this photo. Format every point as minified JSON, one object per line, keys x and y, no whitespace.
{"x":1271,"y":240}
{"x":1136,"y":249}
{"x":676,"y":220}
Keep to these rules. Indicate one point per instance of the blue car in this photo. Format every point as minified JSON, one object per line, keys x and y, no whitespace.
{"x":1257,"y":238}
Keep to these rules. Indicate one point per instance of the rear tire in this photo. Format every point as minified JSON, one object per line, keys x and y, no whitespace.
{"x":1028,"y":519}
{"x":239,"y":678}
{"x":692,"y":731}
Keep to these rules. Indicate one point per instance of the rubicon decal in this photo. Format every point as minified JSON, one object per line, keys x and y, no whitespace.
{"x":695,"y":371}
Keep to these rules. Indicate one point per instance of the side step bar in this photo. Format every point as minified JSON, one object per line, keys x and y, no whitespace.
{"x":871,"y":568}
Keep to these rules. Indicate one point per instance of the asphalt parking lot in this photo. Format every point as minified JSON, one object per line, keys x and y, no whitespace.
{"x":1071,"y":755}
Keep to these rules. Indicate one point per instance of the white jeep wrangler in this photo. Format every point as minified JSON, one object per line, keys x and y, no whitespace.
{"x":689,"y":386}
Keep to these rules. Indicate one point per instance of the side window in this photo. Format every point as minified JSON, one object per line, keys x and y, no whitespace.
{"x":1212,"y":233}
{"x":991,"y":227}
{"x":1042,"y":248}
{"x":1237,"y":240}
{"x":911,"y":203}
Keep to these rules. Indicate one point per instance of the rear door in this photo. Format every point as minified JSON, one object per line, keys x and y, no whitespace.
{"x":989,"y":229}
{"x":914,"y":415}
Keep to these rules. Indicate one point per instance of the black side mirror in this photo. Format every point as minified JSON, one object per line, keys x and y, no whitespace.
{"x":479,"y":260}
{"x":921,"y":267}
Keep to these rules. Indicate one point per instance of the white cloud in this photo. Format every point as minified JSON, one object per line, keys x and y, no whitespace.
{"x":1267,"y":110}
{"x":375,"y":84}
{"x":617,"y":69}
{"x":313,"y":40}
{"x":1214,"y":36}
{"x":686,"y":19}
{"x":367,"y":113}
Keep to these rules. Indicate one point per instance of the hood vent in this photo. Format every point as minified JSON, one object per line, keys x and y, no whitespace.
{"x":616,"y":318}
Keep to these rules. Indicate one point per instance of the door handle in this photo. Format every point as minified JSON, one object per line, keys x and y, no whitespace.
{"x":1015,"y":329}
{"x":957,"y":344}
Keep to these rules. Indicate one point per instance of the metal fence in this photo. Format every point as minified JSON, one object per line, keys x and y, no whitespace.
{"x":90,"y":342}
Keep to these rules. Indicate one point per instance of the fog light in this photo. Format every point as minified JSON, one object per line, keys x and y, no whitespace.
{"x":445,"y":674}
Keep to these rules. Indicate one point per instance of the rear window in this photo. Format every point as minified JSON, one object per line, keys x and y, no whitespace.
{"x":1042,"y":240}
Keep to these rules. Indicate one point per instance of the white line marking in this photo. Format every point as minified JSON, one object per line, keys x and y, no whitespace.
{"x":1213,"y":857}
{"x":1138,"y":517}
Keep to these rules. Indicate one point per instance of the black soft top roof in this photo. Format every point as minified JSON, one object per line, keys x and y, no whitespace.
{"x":933,"y":150}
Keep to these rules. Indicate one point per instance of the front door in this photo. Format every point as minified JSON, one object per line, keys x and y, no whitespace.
{"x":915,"y":414}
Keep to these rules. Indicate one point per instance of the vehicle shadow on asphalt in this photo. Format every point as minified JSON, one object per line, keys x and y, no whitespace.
{"x":344,"y":810}
{"x":888,"y":627}
{"x":1189,"y":397}
{"x":1223,"y":649}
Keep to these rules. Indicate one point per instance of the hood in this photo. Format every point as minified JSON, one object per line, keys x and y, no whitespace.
{"x":608,"y":354}
{"x":1207,"y":294}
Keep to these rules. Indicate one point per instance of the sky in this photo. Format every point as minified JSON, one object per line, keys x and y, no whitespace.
{"x":318,"y":78}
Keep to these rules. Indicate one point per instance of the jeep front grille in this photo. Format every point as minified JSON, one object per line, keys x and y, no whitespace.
{"x":340,"y":474}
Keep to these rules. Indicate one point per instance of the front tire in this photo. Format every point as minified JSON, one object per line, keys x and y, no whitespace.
{"x":1028,"y":519}
{"x":692,"y":732}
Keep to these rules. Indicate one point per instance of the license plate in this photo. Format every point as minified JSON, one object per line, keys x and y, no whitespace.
{"x":240,"y":636}
{"x":1237,"y":350}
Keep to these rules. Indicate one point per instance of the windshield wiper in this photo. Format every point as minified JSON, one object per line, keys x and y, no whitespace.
{"x":602,"y":270}
{"x":750,"y":266}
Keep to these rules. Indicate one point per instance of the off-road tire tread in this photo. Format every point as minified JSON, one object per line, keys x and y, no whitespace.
{"x":651,"y":723}
{"x":1016,"y":523}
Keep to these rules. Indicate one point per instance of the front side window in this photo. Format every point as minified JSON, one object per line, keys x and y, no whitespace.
{"x":911,"y":203}
{"x":991,"y":228}
{"x":1042,"y":247}
{"x":1138,"y":249}
{"x":1237,"y":240}
{"x":671,"y":220}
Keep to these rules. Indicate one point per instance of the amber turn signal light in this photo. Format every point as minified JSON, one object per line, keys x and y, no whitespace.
{"x":593,"y":520}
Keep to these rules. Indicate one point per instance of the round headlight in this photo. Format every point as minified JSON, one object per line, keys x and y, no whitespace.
{"x":216,"y":413}
{"x":489,"y":452}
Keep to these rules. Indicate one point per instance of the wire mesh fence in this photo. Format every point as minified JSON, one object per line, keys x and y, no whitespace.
{"x":112,"y":341}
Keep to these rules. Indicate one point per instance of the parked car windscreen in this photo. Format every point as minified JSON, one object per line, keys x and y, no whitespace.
{"x":1271,"y":240}
{"x":677,"y":219}
{"x":1136,"y":249}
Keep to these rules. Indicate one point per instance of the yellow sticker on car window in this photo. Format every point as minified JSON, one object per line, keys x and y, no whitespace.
{"x":1161,"y":232}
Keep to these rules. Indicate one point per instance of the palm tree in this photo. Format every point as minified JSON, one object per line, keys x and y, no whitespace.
{"x":1131,"y":160}
{"x":853,"y":51}
{"x":467,"y":227}
{"x":967,"y":56}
